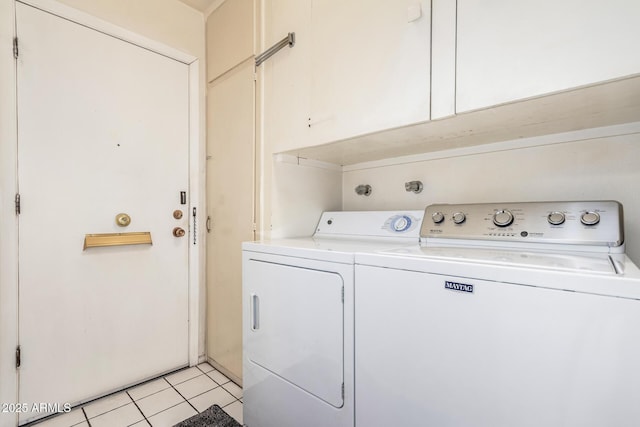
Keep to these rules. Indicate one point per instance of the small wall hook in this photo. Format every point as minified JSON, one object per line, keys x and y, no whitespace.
{"x":363,"y":190}
{"x":415,"y":186}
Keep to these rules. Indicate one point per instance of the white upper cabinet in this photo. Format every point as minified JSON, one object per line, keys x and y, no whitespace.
{"x":510,"y":50}
{"x":357,"y":67}
{"x":369,"y":79}
{"x":285,"y":76}
{"x":369,"y":66}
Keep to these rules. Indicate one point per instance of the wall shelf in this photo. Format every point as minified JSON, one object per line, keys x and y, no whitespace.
{"x":603,"y":104}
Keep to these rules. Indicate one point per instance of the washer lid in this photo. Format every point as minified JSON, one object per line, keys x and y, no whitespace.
{"x":583,"y":262}
{"x":600,"y":274}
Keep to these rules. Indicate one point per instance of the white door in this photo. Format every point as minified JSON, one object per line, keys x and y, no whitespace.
{"x":103,"y":130}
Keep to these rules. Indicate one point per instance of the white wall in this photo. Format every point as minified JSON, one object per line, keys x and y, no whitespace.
{"x":301,"y":191}
{"x":600,"y":168}
{"x":166,"y":21}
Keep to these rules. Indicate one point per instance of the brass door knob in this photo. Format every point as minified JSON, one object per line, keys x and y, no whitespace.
{"x":178,"y":232}
{"x":122,"y":219}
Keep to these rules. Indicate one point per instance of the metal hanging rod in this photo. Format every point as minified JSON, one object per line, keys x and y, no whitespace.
{"x":290,"y":41}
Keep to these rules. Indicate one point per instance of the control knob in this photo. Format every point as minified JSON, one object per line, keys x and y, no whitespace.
{"x":458,"y":217}
{"x":437,"y":217}
{"x":401,"y":223}
{"x":556,"y":218}
{"x":502,"y":218}
{"x":590,"y":218}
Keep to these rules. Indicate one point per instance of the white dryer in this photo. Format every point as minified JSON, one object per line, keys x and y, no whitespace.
{"x":298,"y":298}
{"x":511,"y":314}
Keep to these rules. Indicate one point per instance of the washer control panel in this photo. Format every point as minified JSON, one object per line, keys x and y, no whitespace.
{"x":591,"y":223}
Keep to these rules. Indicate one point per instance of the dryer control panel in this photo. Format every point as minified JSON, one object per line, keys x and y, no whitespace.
{"x":365,"y":224}
{"x":589,"y":223}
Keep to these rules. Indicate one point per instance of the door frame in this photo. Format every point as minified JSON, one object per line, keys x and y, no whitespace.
{"x":9,"y":187}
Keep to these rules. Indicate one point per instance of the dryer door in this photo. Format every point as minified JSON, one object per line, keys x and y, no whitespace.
{"x":296,"y":326}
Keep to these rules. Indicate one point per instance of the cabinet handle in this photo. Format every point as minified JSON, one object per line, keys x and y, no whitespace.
{"x":255,"y":312}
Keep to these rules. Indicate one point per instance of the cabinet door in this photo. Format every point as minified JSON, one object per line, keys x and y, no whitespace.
{"x":286,"y":75}
{"x":230,"y":196}
{"x":509,"y":50}
{"x":370,"y":66}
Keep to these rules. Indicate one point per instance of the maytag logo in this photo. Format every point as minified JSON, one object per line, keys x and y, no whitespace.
{"x":460,"y":287}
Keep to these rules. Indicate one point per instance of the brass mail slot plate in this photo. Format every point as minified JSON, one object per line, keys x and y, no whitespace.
{"x":116,"y":239}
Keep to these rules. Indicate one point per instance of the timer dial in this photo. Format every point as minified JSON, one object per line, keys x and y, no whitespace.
{"x":459,"y":217}
{"x":401,"y":223}
{"x":556,"y":218}
{"x":590,"y":218}
{"x":437,"y":217}
{"x":502,"y":218}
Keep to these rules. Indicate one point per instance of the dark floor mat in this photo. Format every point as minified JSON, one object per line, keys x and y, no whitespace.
{"x":211,"y":417}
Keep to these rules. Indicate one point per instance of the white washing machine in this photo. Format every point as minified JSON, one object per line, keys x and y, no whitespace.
{"x":298,"y":318}
{"x":514,"y":314}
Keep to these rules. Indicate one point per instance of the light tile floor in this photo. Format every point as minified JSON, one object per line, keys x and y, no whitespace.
{"x":162,"y":402}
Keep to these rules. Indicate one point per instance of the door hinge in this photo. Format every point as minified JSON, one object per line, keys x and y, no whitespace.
{"x":18,"y":204}
{"x":18,"y":357}
{"x":15,"y":47}
{"x":255,"y":227}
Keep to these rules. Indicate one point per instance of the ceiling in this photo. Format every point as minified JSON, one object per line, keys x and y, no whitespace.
{"x":204,"y":6}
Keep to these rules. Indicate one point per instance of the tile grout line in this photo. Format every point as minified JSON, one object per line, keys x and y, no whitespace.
{"x":87,"y":419}
{"x":157,"y":392}
{"x":237,"y":400}
{"x":194,"y":408}
{"x":198,"y":367}
{"x":149,"y":395}
{"x":85,"y":415}
{"x":228,"y":380}
{"x":140,"y":410}
{"x":172,"y":406}
{"x":206,"y":374}
{"x":188,"y":379}
{"x":229,"y":404}
{"x":97,"y":400}
{"x":207,"y":391}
